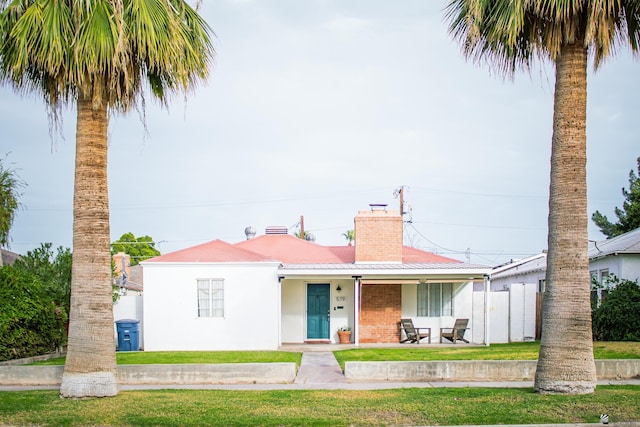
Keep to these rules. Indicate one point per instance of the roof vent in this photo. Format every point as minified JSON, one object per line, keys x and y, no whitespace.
{"x":276,"y":229}
{"x":250,"y":232}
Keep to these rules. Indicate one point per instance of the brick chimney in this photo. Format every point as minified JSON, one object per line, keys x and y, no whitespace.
{"x":378,"y":235}
{"x":121,"y":260}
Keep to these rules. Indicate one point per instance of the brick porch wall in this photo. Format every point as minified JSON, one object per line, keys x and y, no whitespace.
{"x":381,"y":308}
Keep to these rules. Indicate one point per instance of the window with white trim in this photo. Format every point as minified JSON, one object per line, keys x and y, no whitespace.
{"x":435,"y":299}
{"x":210,"y":297}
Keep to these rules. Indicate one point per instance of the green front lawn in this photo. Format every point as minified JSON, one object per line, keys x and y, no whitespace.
{"x":409,"y":406}
{"x":409,"y":352}
{"x":511,"y":351}
{"x":180,"y":357}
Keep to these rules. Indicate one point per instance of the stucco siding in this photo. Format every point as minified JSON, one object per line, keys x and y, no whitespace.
{"x":293,"y":311}
{"x":251,"y":308}
{"x":294,"y":308}
{"x":630,"y":267}
{"x":462,"y":309}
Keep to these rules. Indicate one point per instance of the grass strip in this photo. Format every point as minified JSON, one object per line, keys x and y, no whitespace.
{"x":410,"y":352}
{"x":433,"y":406}
{"x":186,"y":357}
{"x":511,"y":351}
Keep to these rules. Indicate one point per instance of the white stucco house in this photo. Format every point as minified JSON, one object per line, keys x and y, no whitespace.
{"x":618,"y":256}
{"x":276,"y":289}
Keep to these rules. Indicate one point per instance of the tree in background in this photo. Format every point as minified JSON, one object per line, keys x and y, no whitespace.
{"x":31,"y":322}
{"x":98,"y":54}
{"x":52,"y":269}
{"x":350,"y":235}
{"x":138,"y":248}
{"x":10,"y":185}
{"x":629,"y":215}
{"x":618,"y":316}
{"x":510,"y":35}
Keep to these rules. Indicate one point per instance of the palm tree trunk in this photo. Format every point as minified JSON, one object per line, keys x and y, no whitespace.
{"x":565,"y":363}
{"x":90,"y":368}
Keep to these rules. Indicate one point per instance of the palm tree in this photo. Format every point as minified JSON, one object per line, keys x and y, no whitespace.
{"x":10,"y":183}
{"x":350,"y":235}
{"x":98,"y":53}
{"x":510,"y":35}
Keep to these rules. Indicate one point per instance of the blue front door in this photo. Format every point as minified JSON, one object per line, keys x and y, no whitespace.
{"x":318,"y":311}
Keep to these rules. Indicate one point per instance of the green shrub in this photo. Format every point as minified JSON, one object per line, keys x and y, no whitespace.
{"x":30,"y":321}
{"x":52,"y":268}
{"x":618,"y":317}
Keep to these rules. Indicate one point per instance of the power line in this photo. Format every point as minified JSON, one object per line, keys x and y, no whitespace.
{"x":508,"y":227}
{"x":467,"y":252}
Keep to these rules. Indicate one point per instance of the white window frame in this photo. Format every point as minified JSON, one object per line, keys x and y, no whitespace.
{"x":432,"y":300}
{"x":210,"y":297}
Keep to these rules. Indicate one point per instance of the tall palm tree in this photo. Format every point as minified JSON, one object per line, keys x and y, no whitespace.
{"x":509,"y":35}
{"x":98,"y":53}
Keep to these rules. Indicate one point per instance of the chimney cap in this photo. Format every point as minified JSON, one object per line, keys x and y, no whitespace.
{"x":378,"y":206}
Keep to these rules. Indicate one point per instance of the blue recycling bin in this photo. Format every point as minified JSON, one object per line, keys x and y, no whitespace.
{"x":128,"y":333}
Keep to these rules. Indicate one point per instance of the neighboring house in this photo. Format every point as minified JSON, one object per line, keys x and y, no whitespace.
{"x":8,"y":257}
{"x":528,"y":270}
{"x":277,"y":289}
{"x":618,"y":256}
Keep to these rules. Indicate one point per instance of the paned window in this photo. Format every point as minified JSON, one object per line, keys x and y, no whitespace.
{"x":435,"y":299}
{"x":210,"y":297}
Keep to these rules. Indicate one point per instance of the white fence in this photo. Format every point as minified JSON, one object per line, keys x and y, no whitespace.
{"x":511,"y":314}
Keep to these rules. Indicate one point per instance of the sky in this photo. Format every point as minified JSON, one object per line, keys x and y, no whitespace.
{"x":318,"y":108}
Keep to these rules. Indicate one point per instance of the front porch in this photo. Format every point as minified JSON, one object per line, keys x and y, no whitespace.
{"x":315,"y":308}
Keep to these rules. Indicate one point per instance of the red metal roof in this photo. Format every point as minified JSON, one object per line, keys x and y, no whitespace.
{"x":286,"y":249}
{"x":214,"y":251}
{"x":416,"y":256}
{"x":290,"y":249}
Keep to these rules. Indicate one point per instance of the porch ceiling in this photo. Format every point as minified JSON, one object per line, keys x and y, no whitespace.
{"x":401,"y":272}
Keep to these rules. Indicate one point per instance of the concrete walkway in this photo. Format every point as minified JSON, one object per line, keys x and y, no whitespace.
{"x":319,"y":368}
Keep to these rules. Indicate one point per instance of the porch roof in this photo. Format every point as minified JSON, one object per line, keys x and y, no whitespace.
{"x":384,"y":266}
{"x":457,"y":270}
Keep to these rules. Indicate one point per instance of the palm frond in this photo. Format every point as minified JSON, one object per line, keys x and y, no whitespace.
{"x":509,"y":34}
{"x":103,"y":48}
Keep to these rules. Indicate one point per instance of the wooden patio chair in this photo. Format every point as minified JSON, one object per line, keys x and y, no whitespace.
{"x":456,"y":333}
{"x":413,"y":334}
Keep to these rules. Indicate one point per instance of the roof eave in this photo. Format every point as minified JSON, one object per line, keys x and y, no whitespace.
{"x":211,"y":263}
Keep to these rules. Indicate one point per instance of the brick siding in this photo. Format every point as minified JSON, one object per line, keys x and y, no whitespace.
{"x":381,"y":308}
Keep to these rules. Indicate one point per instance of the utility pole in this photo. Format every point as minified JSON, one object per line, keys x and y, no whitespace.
{"x":399,"y":192}
{"x":302,"y":235}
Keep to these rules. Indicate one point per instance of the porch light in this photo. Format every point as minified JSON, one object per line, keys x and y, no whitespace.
{"x":338,"y":289}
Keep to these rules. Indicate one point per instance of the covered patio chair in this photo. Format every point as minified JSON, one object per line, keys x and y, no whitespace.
{"x":413,"y":334}
{"x":456,"y":333}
